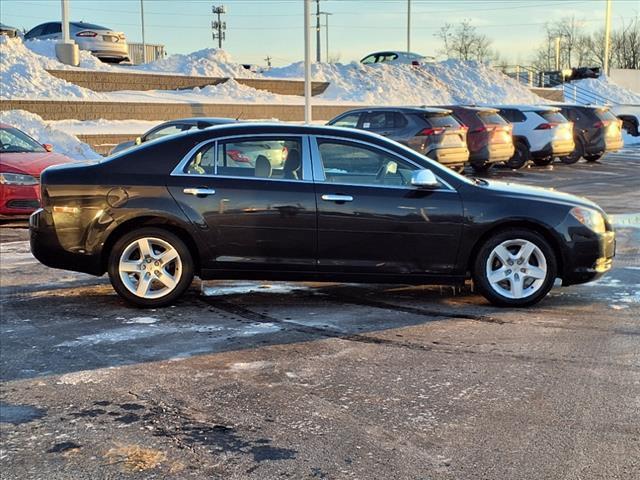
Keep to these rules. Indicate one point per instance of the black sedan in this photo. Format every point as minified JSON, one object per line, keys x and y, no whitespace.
{"x":344,"y":205}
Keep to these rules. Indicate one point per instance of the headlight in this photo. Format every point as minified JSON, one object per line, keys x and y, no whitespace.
{"x":591,"y":219}
{"x":17,"y":179}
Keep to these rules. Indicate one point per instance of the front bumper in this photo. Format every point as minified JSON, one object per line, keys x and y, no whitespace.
{"x":591,"y":256}
{"x":18,"y":200}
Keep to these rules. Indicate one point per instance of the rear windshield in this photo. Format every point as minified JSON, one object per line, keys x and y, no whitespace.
{"x":553,"y":117}
{"x":89,"y":25}
{"x":491,"y":118}
{"x":605,"y":115}
{"x":441,"y":120}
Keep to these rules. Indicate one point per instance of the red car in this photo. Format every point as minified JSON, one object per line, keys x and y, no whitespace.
{"x":22,"y":159}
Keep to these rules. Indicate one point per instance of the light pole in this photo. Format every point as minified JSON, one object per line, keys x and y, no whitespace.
{"x":318,"y":31}
{"x":307,"y":62}
{"x":408,"y":26}
{"x":144,"y":44}
{"x":326,"y":35}
{"x":607,"y":38}
{"x":557,"y":53}
{"x":67,"y":50}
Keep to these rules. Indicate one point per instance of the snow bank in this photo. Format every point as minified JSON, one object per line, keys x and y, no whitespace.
{"x":604,"y":87}
{"x":209,"y":62}
{"x":23,"y":75}
{"x":47,"y":49}
{"x":63,"y":143}
{"x":440,"y":83}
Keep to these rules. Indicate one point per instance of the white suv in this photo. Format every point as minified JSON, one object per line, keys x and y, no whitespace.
{"x":540,"y":133}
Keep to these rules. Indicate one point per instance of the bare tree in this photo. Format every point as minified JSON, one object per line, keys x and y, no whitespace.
{"x":462,"y":41}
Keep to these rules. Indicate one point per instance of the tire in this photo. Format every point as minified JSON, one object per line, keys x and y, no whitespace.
{"x":520,"y":156}
{"x":543,"y":162}
{"x":593,"y":158}
{"x":481,"y":167}
{"x":574,"y":156}
{"x":125,"y":277}
{"x":540,"y":266}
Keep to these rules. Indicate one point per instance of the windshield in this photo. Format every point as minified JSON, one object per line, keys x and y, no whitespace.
{"x":553,"y":117}
{"x":491,"y":118}
{"x":13,"y":140}
{"x":441,"y":120}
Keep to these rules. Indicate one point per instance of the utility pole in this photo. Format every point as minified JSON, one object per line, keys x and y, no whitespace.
{"x":318,"y":31}
{"x":218,"y":26}
{"x":268,"y":60}
{"x":557,"y":53}
{"x":144,"y":44}
{"x":67,"y":50}
{"x":607,"y":38}
{"x":408,"y":26}
{"x":307,"y":62}
{"x":326,"y":35}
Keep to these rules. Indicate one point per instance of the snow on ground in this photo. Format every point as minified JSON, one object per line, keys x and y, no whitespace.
{"x":23,"y":75}
{"x":64,"y":143}
{"x":92,"y":127}
{"x":604,"y":87}
{"x":209,"y":62}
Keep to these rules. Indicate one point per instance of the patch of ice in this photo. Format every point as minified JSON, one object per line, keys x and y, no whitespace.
{"x":241,"y":366}
{"x":118,"y":335}
{"x":259,"y":329}
{"x":242,"y":288}
{"x":85,"y":376}
{"x":142,"y":320}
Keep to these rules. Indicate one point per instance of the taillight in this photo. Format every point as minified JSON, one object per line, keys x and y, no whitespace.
{"x":601,"y":124}
{"x":238,"y":156}
{"x":86,"y":33}
{"x":546,"y":126}
{"x":425,"y":132}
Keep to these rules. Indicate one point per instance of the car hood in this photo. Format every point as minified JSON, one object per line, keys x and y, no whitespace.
{"x":509,"y":189}
{"x":31,"y":163}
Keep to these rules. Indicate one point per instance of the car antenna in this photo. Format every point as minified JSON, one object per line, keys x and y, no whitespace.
{"x":239,"y":116}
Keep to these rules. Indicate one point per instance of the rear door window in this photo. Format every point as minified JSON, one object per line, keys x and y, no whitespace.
{"x":513,"y":116}
{"x":35,"y":32}
{"x":53,"y":28}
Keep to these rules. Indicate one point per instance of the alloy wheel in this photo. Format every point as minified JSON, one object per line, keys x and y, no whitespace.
{"x":150,"y":267}
{"x":516,"y":268}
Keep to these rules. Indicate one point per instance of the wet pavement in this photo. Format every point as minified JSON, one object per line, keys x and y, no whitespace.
{"x":264,"y":380}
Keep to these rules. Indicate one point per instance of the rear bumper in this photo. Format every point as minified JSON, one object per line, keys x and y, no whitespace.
{"x":492,"y":153}
{"x":46,"y":246}
{"x":450,"y":156}
{"x":555,"y":148}
{"x":591,"y":256}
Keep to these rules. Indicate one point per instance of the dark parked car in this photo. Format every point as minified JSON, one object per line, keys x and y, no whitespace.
{"x":434,"y":132}
{"x":345,"y":206}
{"x":171,"y":128}
{"x":595,"y":130}
{"x":489,"y":136}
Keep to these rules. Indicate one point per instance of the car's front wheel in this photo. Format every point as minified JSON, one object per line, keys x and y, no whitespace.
{"x":543,"y":162}
{"x":150,"y":267}
{"x":593,"y":158}
{"x":515,"y":268}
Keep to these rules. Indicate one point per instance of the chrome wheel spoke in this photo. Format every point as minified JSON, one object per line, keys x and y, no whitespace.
{"x":168,"y":256}
{"x":145,"y":248}
{"x":144,"y":283}
{"x":535,"y":272}
{"x":503,"y":254}
{"x":516,"y":287}
{"x":525,"y":252}
{"x":129,"y":266}
{"x":167,"y":280}
{"x":498,"y":275}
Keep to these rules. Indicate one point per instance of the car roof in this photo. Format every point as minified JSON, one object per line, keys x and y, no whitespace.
{"x":574,"y":105}
{"x":526,"y":108}
{"x":475,"y":108}
{"x":422,"y":109}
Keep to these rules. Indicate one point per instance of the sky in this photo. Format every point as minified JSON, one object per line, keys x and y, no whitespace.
{"x":260,"y":28}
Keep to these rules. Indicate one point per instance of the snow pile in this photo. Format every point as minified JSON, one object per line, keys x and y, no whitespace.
{"x":473,"y":82}
{"x":23,"y":75}
{"x":208,"y":62}
{"x":603,"y":87}
{"x":47,"y":49}
{"x":441,"y":83}
{"x":371,"y":84}
{"x":63,"y":143}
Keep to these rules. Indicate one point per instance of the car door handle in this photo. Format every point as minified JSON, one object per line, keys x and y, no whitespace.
{"x":199,"y":191}
{"x":337,"y":198}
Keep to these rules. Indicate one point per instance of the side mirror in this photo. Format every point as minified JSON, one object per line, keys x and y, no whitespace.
{"x":48,"y":147}
{"x":138,"y":141}
{"x":424,"y":179}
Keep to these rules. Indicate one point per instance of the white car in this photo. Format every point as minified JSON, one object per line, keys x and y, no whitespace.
{"x":397,"y":58}
{"x":104,"y":43}
{"x":540,"y":133}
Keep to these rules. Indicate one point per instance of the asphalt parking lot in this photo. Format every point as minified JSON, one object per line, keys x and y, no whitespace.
{"x":328,"y":381}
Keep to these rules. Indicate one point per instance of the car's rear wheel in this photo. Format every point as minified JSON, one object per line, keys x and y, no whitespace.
{"x":515,"y":268}
{"x":574,"y":156}
{"x":481,"y":167}
{"x":520,"y":156}
{"x":593,"y":158}
{"x":150,"y":267}
{"x":543,"y":162}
